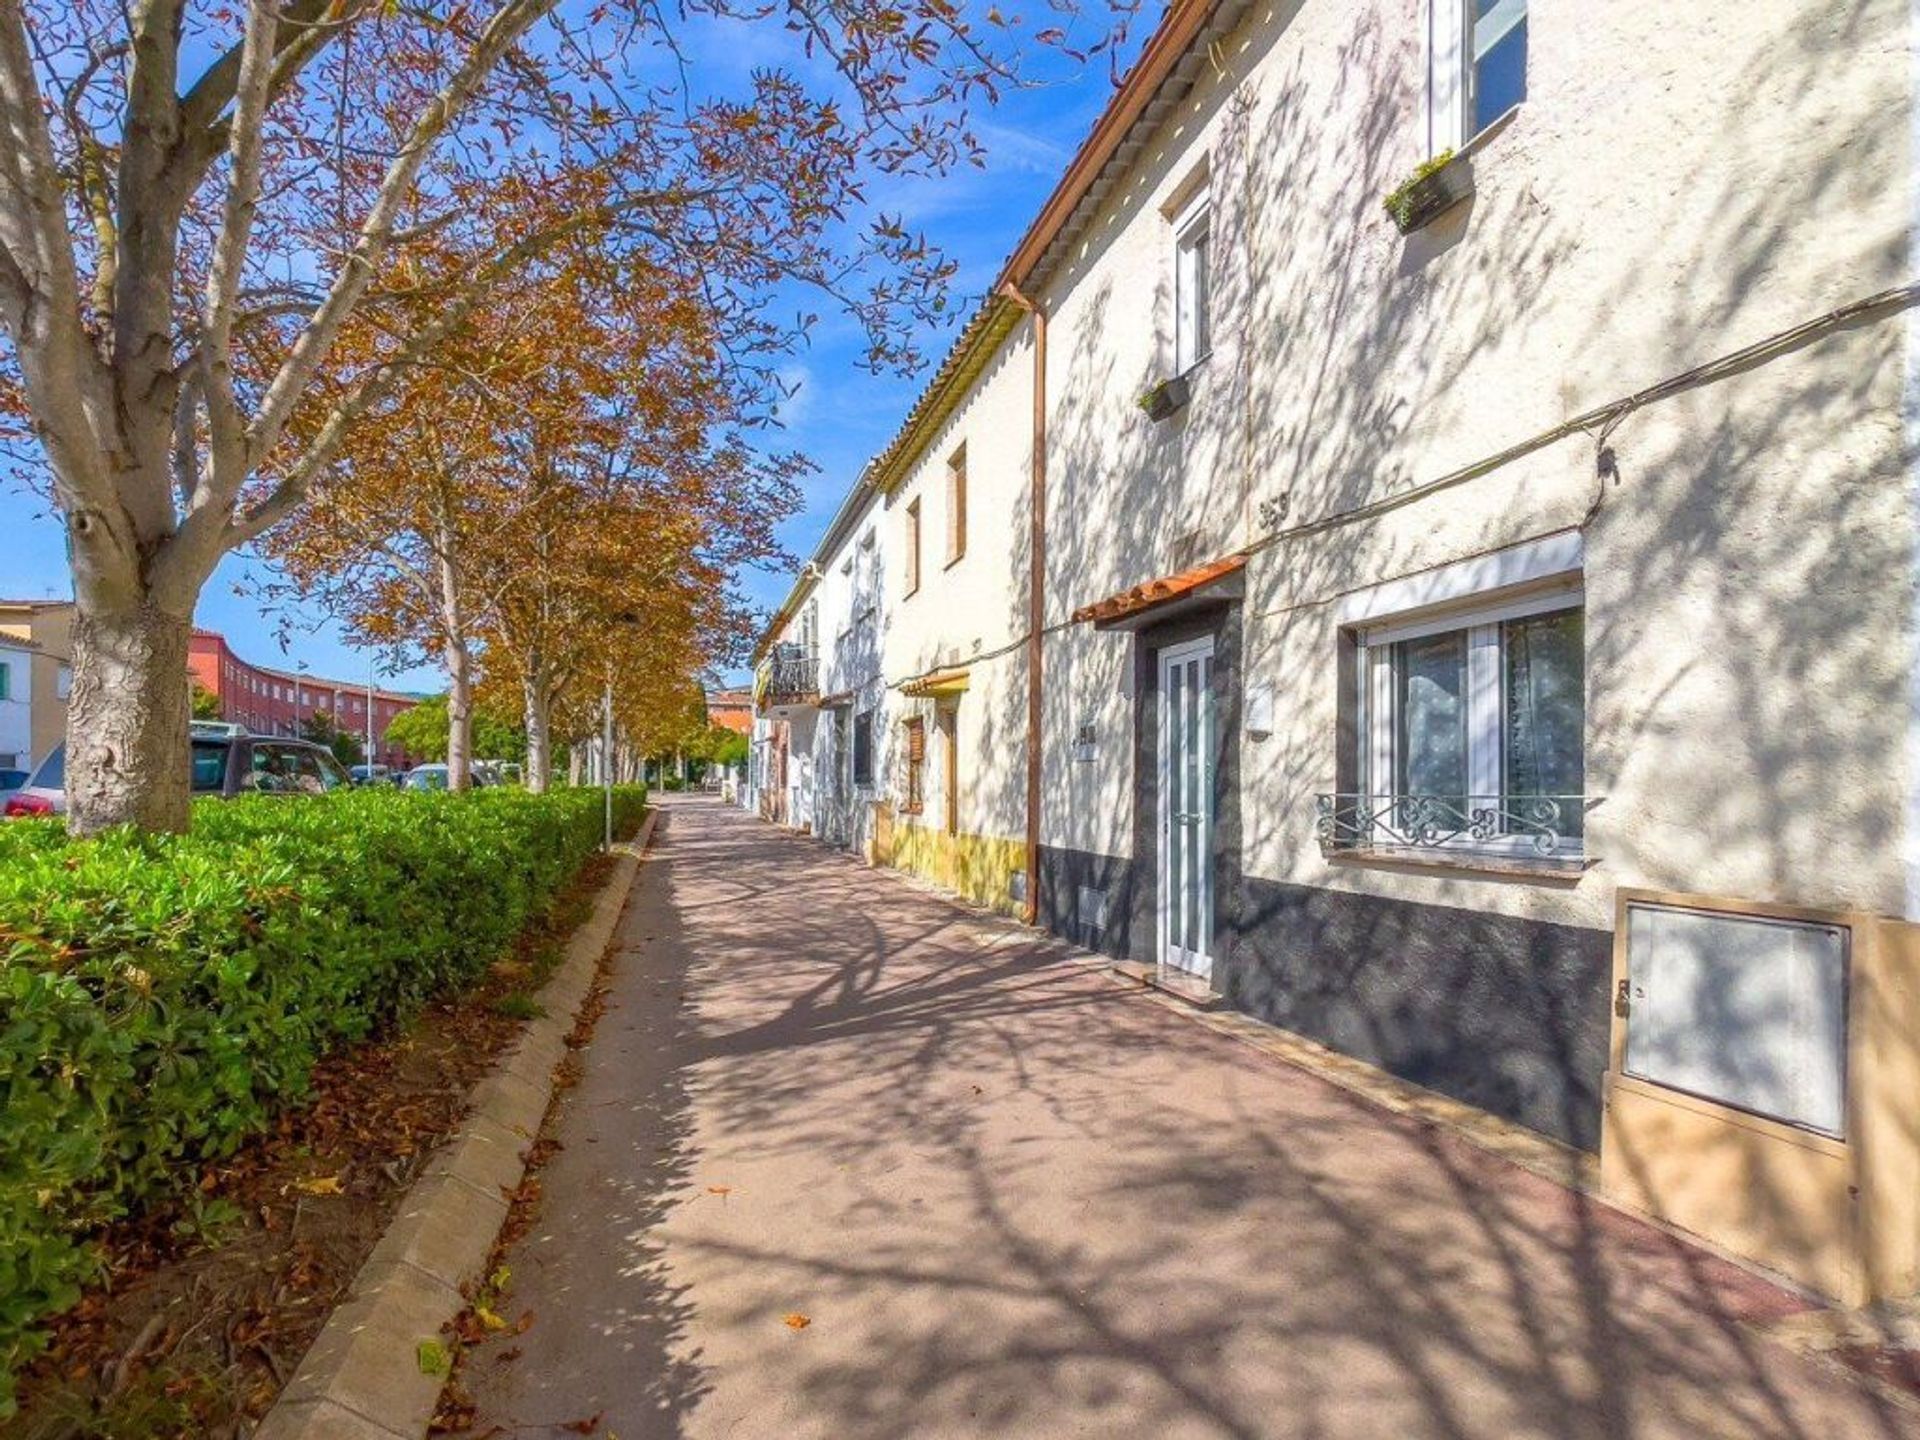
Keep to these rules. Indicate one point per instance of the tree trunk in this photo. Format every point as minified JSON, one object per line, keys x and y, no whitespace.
{"x":127,"y":719}
{"x":453,"y":632}
{"x":573,"y":763}
{"x":538,"y":705}
{"x":459,"y":715}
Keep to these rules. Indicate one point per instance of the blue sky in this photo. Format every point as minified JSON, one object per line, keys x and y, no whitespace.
{"x":839,"y":414}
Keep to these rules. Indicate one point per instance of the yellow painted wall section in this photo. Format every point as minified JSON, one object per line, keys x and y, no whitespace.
{"x":975,"y":867}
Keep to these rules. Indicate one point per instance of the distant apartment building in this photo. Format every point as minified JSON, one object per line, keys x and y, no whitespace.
{"x":731,"y":710}
{"x":278,"y":702}
{"x":1419,"y":546}
{"x":820,"y":737}
{"x":266,"y":701}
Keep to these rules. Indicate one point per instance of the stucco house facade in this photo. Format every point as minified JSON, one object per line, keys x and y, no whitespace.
{"x":1479,"y":638}
{"x":818,"y":739}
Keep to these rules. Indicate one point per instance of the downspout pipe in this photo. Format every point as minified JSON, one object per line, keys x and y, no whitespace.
{"x":1036,"y":594}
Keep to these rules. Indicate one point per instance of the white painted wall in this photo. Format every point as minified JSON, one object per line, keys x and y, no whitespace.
{"x":850,"y":588}
{"x":970,"y":614}
{"x":1682,"y":181}
{"x":16,"y":710}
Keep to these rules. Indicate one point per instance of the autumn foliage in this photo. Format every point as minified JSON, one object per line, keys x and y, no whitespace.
{"x":234,"y":234}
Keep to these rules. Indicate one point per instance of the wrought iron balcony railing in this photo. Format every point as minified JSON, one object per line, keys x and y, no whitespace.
{"x":1531,"y":826}
{"x":791,"y":678}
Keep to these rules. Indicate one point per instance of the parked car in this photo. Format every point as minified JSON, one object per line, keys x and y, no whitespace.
{"x":45,"y":791}
{"x":480,"y":775}
{"x":224,"y":760}
{"x":11,"y":779}
{"x":425,"y":777}
{"x":372,"y":775}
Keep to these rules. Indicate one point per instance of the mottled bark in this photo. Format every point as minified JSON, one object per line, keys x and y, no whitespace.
{"x":459,"y":664}
{"x":127,"y":719}
{"x":538,"y":704}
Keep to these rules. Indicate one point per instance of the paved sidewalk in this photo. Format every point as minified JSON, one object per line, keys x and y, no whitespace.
{"x":1011,"y":1198}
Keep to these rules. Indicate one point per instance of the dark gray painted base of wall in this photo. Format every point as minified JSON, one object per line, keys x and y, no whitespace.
{"x":1508,"y":1015}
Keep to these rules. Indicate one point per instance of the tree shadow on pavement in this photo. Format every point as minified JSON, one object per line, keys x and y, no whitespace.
{"x":1011,"y":1198}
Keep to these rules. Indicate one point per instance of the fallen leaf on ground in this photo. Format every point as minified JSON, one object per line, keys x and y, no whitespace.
{"x":584,"y":1427}
{"x":797,"y":1321}
{"x":433,"y":1359}
{"x":319,"y":1185}
{"x":487,"y":1318}
{"x":721,"y":1190}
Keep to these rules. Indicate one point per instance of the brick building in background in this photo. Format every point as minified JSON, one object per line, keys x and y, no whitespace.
{"x":275,"y":702}
{"x":731,"y":709}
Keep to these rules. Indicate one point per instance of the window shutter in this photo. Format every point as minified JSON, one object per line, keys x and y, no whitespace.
{"x":916,"y":765}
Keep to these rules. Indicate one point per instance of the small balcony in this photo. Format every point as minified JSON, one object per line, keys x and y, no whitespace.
{"x":788,"y":679}
{"x":1529,"y":829}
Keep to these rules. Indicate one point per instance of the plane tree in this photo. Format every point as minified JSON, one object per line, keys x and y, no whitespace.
{"x":201,"y":200}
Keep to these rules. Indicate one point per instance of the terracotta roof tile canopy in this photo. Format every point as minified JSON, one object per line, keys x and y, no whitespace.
{"x":1191,"y":584}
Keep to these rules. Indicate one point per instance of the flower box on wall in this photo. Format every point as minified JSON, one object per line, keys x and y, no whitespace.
{"x":1432,"y":190}
{"x":1163,"y":399}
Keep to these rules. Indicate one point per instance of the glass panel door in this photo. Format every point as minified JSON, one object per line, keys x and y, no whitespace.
{"x":1186,"y":808}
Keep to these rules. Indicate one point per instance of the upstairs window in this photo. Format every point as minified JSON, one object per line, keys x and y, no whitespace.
{"x":1192,"y":282}
{"x":912,"y":579}
{"x":957,"y":505}
{"x":869,"y":576}
{"x":1497,"y":78}
{"x":1479,"y":67}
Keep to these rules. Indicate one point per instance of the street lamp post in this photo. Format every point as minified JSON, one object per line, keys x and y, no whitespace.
{"x":369,"y":717}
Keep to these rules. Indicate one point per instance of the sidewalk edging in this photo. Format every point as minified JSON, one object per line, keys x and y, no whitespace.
{"x":363,"y":1378}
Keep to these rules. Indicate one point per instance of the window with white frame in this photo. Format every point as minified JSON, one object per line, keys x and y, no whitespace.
{"x":911,"y":582}
{"x":1472,"y":731}
{"x":869,"y":574}
{"x":1192,"y":233}
{"x":1478,"y":52}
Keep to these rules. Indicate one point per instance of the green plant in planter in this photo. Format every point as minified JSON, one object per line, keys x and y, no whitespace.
{"x":1163,"y":397}
{"x":1403,"y":201}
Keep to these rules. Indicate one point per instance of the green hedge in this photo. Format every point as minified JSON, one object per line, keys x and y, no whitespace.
{"x":163,"y":995}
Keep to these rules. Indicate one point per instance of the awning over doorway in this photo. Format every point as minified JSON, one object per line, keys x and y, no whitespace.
{"x":940,"y":682}
{"x":1152,"y":601}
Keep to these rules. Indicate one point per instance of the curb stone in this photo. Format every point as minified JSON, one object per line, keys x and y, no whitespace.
{"x":361,"y":1378}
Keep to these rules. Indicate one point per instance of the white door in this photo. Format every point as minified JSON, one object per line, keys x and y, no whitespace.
{"x":1186,"y":807}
